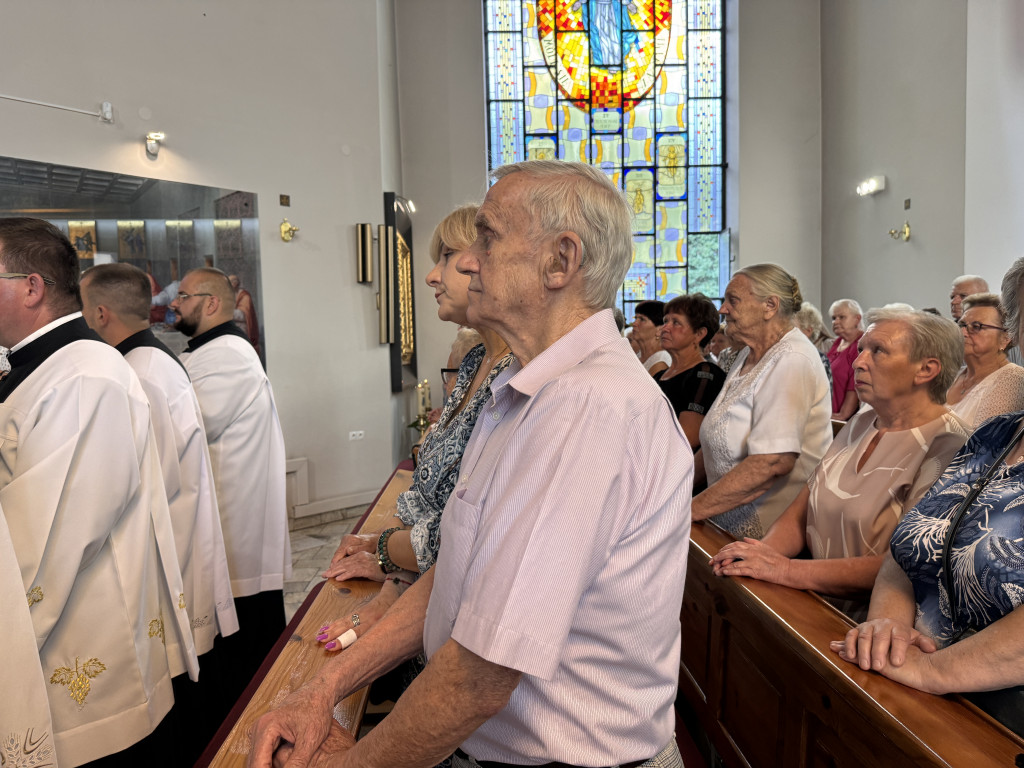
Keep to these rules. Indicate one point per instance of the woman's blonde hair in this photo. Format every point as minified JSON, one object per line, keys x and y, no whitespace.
{"x":457,"y":230}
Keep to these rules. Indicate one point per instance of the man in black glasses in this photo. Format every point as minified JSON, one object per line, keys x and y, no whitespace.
{"x":247,"y":453}
{"x":83,"y":499}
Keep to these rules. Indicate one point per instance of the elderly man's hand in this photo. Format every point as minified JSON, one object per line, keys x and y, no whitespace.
{"x":753,"y":559}
{"x":303,"y":722}
{"x":338,"y":741}
{"x":882,"y":645}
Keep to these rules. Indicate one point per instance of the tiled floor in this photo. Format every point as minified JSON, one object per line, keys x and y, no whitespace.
{"x":312,"y":549}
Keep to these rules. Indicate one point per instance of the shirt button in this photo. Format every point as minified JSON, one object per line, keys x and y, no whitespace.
{"x":495,"y":415}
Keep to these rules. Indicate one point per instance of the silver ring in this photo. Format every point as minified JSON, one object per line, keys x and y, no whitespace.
{"x":355,"y":619}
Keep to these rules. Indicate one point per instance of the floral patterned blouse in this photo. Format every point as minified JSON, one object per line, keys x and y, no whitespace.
{"x":441,"y":456}
{"x":988,"y":547}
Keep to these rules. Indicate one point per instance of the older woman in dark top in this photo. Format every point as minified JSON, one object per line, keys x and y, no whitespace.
{"x":690,"y":382}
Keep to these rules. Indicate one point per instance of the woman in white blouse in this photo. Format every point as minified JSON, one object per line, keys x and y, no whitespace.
{"x":989,"y":384}
{"x":771,"y":423}
{"x":878,"y":467}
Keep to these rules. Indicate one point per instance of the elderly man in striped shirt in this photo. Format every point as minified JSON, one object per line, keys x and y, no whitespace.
{"x":551,"y":617}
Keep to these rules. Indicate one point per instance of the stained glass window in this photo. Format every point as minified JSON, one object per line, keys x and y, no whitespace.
{"x":635,"y":88}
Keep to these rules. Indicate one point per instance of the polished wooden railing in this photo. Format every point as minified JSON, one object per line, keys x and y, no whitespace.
{"x":757,"y":670}
{"x":298,"y":656}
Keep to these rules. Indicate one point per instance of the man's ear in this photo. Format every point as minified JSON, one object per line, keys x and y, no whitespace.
{"x":102,"y":316}
{"x":927,"y":370}
{"x":565,"y":262}
{"x":36,"y":291}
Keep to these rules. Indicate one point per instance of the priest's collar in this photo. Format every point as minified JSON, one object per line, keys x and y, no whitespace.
{"x":44,"y":330}
{"x":30,"y":356}
{"x":146,"y":338}
{"x":224,"y":329}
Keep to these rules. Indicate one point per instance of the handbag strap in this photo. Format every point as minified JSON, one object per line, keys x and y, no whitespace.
{"x":957,"y":519}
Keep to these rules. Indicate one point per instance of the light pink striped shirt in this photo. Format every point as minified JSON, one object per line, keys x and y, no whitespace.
{"x":563,"y":554}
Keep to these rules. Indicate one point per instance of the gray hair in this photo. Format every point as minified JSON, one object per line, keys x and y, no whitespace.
{"x":972,"y":279}
{"x":1011,"y":298}
{"x":930,"y":336}
{"x":851,"y":304}
{"x":772,"y":280}
{"x":465,"y":340}
{"x":579,"y":198}
{"x":808,"y":318}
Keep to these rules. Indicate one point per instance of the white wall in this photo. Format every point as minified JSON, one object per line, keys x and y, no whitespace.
{"x":994,"y":186}
{"x":258,"y":96}
{"x":893,"y":103}
{"x":444,"y":162}
{"x":779,"y":111}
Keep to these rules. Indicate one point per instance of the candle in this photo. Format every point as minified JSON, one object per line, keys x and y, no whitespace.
{"x":423,"y":389}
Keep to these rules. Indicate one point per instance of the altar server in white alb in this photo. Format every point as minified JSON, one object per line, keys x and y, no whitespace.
{"x":81,"y":491}
{"x":26,"y":733}
{"x":116,"y":304}
{"x":247,"y":450}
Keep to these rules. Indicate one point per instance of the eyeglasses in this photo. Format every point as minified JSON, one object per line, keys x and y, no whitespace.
{"x":183,"y":296}
{"x":975,"y":327}
{"x":448,"y":375}
{"x":20,"y":275}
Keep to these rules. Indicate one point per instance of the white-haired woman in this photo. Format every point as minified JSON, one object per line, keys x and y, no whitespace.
{"x":848,"y":325}
{"x":988,"y":385}
{"x":770,"y":425}
{"x":879,"y":466}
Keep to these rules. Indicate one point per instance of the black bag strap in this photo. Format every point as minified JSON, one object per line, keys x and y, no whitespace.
{"x":958,"y":517}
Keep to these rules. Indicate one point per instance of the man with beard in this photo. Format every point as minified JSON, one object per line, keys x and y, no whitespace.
{"x":247,"y":454}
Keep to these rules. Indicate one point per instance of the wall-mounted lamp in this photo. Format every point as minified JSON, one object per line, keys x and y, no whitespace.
{"x":871,"y":186}
{"x":404,"y":202}
{"x":288,"y":231}
{"x":153,"y":139}
{"x":902,"y":233}
{"x":364,"y":253}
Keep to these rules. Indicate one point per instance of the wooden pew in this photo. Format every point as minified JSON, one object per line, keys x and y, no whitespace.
{"x":757,"y":670}
{"x":298,"y":656}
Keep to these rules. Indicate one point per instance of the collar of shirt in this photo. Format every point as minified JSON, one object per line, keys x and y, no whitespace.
{"x":44,"y":330}
{"x":227,"y":328}
{"x":594,"y":332}
{"x":146,"y":338}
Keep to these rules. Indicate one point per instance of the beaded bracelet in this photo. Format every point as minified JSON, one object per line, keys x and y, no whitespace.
{"x":386,"y":566}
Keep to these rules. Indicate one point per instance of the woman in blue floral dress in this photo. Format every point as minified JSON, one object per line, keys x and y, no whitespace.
{"x":409,"y":543}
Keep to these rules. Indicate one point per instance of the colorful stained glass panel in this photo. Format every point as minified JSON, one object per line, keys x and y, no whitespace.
{"x":705,"y":14}
{"x":671,"y":99}
{"x":705,"y":65}
{"x":504,"y":15}
{"x":506,"y":54}
{"x":672,"y":234}
{"x":540,"y":101}
{"x":704,"y":266}
{"x":670,"y":283}
{"x":706,"y":199}
{"x":639,"y":130}
{"x":640,"y":197}
{"x":506,"y":118}
{"x":671,"y":165}
{"x":705,"y":132}
{"x":641,"y":99}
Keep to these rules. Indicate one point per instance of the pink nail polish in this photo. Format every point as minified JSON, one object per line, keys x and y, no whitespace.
{"x":331,"y":646}
{"x":322,"y":636}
